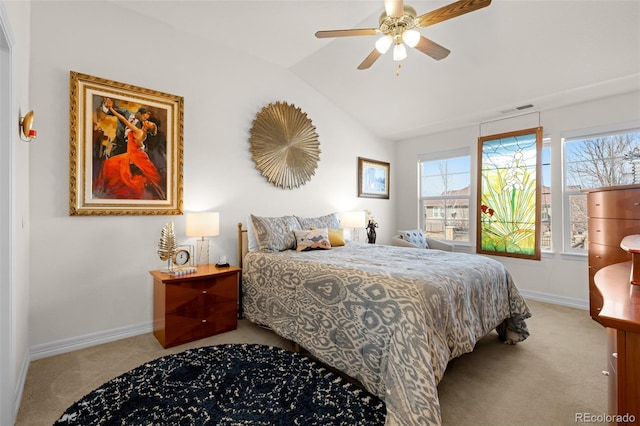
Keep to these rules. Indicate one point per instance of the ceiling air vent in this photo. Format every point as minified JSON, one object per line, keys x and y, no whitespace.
{"x":518,"y":108}
{"x":521,"y":107}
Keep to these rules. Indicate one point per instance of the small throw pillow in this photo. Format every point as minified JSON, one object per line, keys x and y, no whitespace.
{"x":336,"y":236}
{"x":415,"y":237}
{"x":313,"y":239}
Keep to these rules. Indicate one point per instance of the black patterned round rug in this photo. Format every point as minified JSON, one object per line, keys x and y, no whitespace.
{"x":233,"y":384}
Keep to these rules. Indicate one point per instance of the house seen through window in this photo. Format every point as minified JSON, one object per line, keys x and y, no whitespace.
{"x":445,"y":195}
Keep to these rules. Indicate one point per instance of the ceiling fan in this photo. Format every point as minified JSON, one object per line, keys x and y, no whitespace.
{"x":398,"y":26}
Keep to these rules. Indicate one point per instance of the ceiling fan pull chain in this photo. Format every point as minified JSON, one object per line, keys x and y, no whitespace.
{"x":398,"y":70}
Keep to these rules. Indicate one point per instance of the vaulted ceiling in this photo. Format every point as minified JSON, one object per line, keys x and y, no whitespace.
{"x":547,"y":53}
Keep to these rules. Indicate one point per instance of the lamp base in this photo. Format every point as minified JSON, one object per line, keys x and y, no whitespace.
{"x":202,"y":252}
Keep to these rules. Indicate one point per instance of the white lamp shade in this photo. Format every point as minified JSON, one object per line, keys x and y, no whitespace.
{"x":399,"y":52}
{"x":383,"y":44}
{"x":411,"y":37}
{"x":203,"y":224}
{"x":353,"y":219}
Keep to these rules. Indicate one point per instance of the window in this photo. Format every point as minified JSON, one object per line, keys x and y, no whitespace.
{"x":508,"y":190}
{"x":445,"y":194}
{"x":599,"y":159}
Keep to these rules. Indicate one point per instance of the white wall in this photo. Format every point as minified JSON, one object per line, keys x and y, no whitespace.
{"x":89,"y":275}
{"x":557,"y":277}
{"x":14,"y":294}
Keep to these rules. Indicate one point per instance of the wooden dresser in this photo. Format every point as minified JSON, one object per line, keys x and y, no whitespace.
{"x":620,"y":313}
{"x":613,"y":213}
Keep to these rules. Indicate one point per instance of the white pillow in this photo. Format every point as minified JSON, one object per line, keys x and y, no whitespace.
{"x":251,"y":236}
{"x":415,"y":237}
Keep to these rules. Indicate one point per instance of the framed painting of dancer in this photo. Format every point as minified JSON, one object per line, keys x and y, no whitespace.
{"x":126,"y":149}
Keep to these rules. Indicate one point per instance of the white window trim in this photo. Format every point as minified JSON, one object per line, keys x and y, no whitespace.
{"x":546,"y":144}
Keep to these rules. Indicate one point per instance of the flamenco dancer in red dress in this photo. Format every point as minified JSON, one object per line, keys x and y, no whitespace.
{"x":130,"y":175}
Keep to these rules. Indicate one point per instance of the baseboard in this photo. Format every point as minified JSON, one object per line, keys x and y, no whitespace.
{"x":22,"y":379}
{"x":73,"y":344}
{"x":555,"y":299}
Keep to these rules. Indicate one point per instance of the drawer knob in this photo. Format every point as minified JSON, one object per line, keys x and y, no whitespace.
{"x":204,"y":291}
{"x":597,"y":204}
{"x":605,"y":373}
{"x":598,"y":257}
{"x":598,"y":230}
{"x":204,"y":321}
{"x":615,"y":355}
{"x":636,"y":204}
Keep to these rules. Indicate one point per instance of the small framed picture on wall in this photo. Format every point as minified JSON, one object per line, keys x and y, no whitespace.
{"x":373,"y":178}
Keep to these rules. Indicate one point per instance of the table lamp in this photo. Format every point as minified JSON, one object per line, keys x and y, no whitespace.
{"x":353,"y":220}
{"x":203,"y":224}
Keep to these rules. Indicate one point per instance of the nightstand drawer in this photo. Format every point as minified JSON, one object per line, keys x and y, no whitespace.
{"x":180,"y":329}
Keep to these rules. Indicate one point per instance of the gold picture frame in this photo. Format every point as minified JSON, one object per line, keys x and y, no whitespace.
{"x":373,"y":178}
{"x":117,"y":168}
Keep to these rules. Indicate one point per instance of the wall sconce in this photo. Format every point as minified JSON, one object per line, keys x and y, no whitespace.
{"x":204,"y":224}
{"x":27,"y":134}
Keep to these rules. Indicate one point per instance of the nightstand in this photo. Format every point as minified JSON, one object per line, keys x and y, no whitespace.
{"x":196,"y":305}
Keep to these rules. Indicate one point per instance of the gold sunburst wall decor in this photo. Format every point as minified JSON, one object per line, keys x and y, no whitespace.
{"x":284,"y":145}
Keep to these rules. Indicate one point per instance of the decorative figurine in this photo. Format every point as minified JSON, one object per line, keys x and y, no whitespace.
{"x":371,"y":231}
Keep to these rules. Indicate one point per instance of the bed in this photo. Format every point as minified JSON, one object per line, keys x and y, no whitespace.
{"x":390,"y":317}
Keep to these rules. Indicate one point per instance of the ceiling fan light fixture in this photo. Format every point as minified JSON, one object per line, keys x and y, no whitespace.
{"x":399,"y":52}
{"x":411,"y":37}
{"x":384,"y":43}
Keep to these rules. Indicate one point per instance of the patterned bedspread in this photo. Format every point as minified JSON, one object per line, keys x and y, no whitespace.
{"x":391,"y":317}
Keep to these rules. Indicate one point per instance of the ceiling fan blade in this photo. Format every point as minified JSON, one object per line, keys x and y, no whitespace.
{"x":432,"y":49}
{"x":347,"y":33}
{"x":394,"y":8}
{"x":450,"y":11}
{"x":369,"y":60}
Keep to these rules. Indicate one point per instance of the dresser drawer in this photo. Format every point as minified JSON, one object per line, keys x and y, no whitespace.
{"x":601,"y":255}
{"x":611,"y":231}
{"x":620,"y":204}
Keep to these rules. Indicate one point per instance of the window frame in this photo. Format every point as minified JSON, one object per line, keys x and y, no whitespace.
{"x":567,"y":194}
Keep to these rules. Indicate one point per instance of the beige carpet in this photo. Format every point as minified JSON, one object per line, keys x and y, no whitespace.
{"x":545,"y":380}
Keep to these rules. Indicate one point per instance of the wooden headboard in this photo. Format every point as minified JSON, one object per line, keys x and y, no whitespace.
{"x":243,"y":244}
{"x":243,"y":248}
